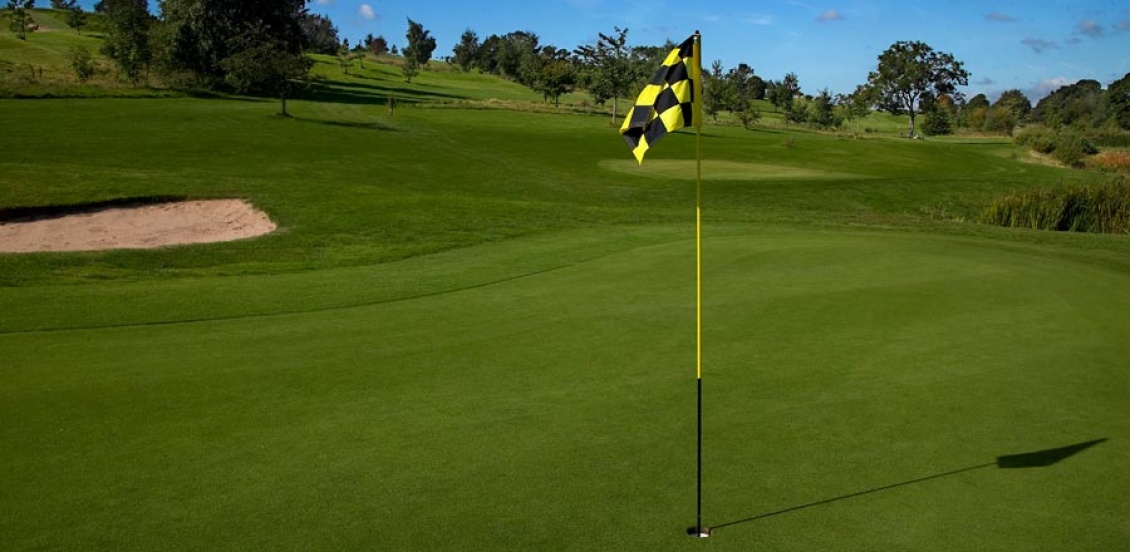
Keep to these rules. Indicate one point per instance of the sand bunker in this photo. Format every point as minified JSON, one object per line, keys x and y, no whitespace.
{"x":136,"y":227}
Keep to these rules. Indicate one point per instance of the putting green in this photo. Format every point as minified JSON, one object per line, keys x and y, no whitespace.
{"x":684,"y":169}
{"x":875,"y":374}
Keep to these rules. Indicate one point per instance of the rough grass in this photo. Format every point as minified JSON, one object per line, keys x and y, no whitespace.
{"x":1100,"y":209}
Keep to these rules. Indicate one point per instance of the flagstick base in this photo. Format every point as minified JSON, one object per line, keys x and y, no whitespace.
{"x":698,"y":532}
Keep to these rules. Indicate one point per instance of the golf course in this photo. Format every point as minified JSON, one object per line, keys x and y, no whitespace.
{"x":474,"y":329}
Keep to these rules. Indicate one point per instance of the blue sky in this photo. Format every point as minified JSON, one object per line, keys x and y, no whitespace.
{"x":1033,"y":45}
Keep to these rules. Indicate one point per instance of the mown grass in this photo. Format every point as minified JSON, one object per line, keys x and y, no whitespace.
{"x":474,"y":331}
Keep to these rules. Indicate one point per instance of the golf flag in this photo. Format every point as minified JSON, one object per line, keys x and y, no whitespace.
{"x":668,"y":102}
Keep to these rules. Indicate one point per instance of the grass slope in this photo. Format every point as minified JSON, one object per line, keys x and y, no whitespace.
{"x":475,"y":331}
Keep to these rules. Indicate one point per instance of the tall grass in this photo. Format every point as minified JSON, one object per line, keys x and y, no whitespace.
{"x":1099,"y":209}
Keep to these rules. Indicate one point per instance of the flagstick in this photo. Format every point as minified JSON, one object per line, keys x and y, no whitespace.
{"x":700,"y":531}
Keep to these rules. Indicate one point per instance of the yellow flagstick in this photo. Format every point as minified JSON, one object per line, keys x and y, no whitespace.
{"x":700,"y":530}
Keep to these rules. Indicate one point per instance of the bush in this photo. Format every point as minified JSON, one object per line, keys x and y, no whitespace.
{"x":82,"y":62}
{"x":1038,"y":138}
{"x":1071,"y":148}
{"x":1109,"y":137}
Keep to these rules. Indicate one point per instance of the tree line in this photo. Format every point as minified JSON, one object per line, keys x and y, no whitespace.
{"x":260,"y":46}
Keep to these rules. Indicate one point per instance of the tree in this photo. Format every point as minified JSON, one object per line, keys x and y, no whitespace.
{"x":821,"y":111}
{"x":127,"y":37}
{"x":791,"y":85}
{"x":514,"y":52}
{"x":1071,"y":104}
{"x":76,"y":18}
{"x":781,"y":94}
{"x":715,"y":90}
{"x":262,"y":63}
{"x":909,"y":70}
{"x":1015,"y":102}
{"x":556,"y":75}
{"x":741,"y":90}
{"x":1118,"y":98}
{"x":377,"y":46}
{"x":419,"y":49}
{"x":198,"y":33}
{"x":320,"y":33}
{"x":938,"y":115}
{"x":857,"y":105}
{"x":20,"y":19}
{"x":611,"y":72}
{"x":467,"y":51}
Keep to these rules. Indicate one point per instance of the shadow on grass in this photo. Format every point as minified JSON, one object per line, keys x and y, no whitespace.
{"x":361,"y":93}
{"x":29,"y":214}
{"x":1037,"y":459}
{"x":349,"y":124}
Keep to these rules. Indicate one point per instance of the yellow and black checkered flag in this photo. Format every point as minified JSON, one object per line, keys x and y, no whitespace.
{"x":668,"y":102}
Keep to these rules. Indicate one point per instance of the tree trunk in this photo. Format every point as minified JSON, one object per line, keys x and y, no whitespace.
{"x":910,"y":132}
{"x":284,"y":113}
{"x":614,"y":100}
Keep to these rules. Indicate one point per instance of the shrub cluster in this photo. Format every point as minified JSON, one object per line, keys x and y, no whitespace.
{"x":1098,"y":209}
{"x":1068,"y":146}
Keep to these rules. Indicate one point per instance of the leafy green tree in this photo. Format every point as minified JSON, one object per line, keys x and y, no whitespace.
{"x":715,"y":90}
{"x":198,"y":33}
{"x":611,"y":71}
{"x":377,"y":46}
{"x":909,"y":70}
{"x":791,"y":85}
{"x":821,"y":111}
{"x":556,"y":74}
{"x":1000,"y":119}
{"x":262,"y":63}
{"x":1118,"y":98}
{"x":321,"y":35}
{"x":514,"y":56}
{"x":857,"y":105}
{"x":741,"y":88}
{"x":1015,"y":102}
{"x":1070,"y":105}
{"x":76,"y":18}
{"x":419,"y":49}
{"x":467,"y":51}
{"x":127,"y":37}
{"x":20,"y":21}
{"x":782,"y":93}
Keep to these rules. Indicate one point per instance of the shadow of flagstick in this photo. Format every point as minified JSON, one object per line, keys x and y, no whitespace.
{"x":1037,"y":459}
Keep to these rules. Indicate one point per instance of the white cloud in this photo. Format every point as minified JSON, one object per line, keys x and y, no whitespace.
{"x":325,"y":2}
{"x":1091,"y":28}
{"x":830,"y":15}
{"x":1000,"y":17}
{"x":759,"y":20}
{"x":1039,"y":44}
{"x":1047,"y":86}
{"x":367,"y":12}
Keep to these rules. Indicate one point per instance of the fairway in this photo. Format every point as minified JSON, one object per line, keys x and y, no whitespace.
{"x":553,"y":408}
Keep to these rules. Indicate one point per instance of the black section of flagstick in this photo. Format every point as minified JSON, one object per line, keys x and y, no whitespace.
{"x":699,"y":531}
